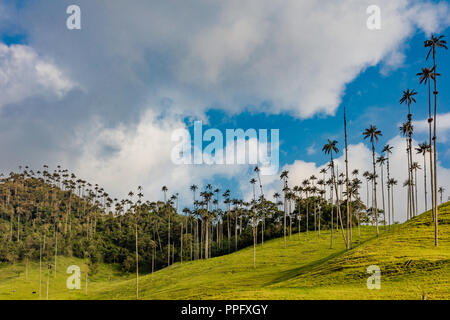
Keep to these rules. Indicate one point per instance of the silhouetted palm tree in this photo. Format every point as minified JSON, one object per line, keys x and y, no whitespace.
{"x":408,"y":98}
{"x":392,"y":182}
{"x":284,"y":178}
{"x":406,"y":130}
{"x":329,"y":148}
{"x":426,"y":76}
{"x":381,"y":160}
{"x":441,"y":190}
{"x":387,"y":150}
{"x":373,"y":134}
{"x":423,"y":149}
{"x":435,"y":43}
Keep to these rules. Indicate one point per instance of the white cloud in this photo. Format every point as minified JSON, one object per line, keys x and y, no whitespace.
{"x":360,"y":157}
{"x":24,"y":74}
{"x":142,"y":156}
{"x":188,"y":57}
{"x":233,"y":55}
{"x":442,"y":126}
{"x":311,"y":150}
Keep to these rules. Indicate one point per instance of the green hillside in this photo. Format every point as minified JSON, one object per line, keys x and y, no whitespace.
{"x":411,"y":267}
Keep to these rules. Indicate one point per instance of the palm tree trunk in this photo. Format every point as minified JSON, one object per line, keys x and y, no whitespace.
{"x":392,"y":197}
{"x":388,"y":191}
{"x":409,"y":182}
{"x":382,"y":196}
{"x":235,"y":231}
{"x":413,"y":203}
{"x":206,"y":239}
{"x":56,"y":249}
{"x":48,"y":280}
{"x":435,"y":152}
{"x":307,"y":213}
{"x":375,"y":187}
{"x":168,"y":243}
{"x":254,"y":246}
{"x":40,"y":269}
{"x":332,"y":217}
{"x":415,"y":187}
{"x":430,"y":120}
{"x":284,"y":220}
{"x":348,"y":245}
{"x":137,"y":261}
{"x":196,"y":240}
{"x":425,"y":180}
{"x":181,"y":239}
{"x":339,"y":216}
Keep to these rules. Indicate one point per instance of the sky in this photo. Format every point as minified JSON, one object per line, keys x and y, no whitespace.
{"x":103,"y":101}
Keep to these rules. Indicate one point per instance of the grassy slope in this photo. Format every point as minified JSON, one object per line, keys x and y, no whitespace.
{"x":306,"y":269}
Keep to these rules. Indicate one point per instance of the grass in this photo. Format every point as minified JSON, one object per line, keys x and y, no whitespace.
{"x":411,"y":268}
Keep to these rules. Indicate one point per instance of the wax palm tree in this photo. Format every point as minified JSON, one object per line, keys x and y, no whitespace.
{"x":441,"y":191}
{"x":257,"y":171}
{"x":307,"y":189}
{"x":387,"y":150}
{"x":422,"y":149}
{"x":252,"y":182}
{"x":284,"y":177}
{"x":366,"y":175}
{"x":406,"y":130}
{"x":194,"y":188}
{"x":414,"y":167}
{"x":435,"y":43}
{"x":408,"y":98}
{"x":136,"y":213}
{"x":329,"y":148}
{"x":392,"y":182}
{"x":373,"y":134}
{"x":381,"y":160}
{"x":426,"y":76}
{"x":164,"y":189}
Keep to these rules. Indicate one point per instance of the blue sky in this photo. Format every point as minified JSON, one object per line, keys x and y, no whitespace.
{"x":372,"y":98}
{"x":103,"y":101}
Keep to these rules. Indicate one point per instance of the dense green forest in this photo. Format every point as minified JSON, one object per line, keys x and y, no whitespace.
{"x":43,"y":215}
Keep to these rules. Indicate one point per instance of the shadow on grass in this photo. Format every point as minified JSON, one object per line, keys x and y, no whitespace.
{"x":293,"y":273}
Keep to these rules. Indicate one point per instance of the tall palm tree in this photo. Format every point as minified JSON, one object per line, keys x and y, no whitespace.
{"x":392,"y":182}
{"x":423,"y":149}
{"x":406,"y":130}
{"x":408,"y":98}
{"x":435,"y":43}
{"x":441,"y":190}
{"x":381,"y":160}
{"x":136,"y":213}
{"x":257,"y":171}
{"x":329,"y":148}
{"x":366,"y":175}
{"x":414,"y":167}
{"x":284,"y":177}
{"x":426,"y":76}
{"x":252,"y":182}
{"x":307,"y":189}
{"x":347,"y":180}
{"x":387,"y":150}
{"x":164,"y":190}
{"x":194,"y":188}
{"x":373,"y":134}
